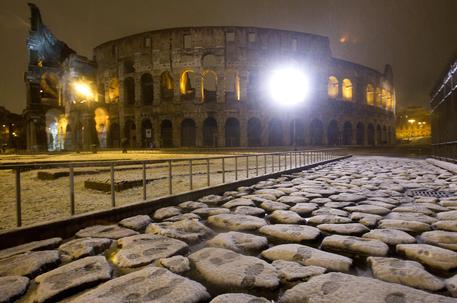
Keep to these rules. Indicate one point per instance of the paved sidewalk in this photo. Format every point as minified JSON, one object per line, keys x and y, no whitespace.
{"x":359,"y":230}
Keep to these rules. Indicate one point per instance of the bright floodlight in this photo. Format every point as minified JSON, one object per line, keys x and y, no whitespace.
{"x":288,"y":86}
{"x":83,"y":89}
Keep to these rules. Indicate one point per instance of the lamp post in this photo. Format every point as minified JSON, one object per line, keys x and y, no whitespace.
{"x":411,"y":123}
{"x":83,"y":94}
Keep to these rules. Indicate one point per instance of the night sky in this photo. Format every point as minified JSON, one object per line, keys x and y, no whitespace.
{"x":417,"y":37}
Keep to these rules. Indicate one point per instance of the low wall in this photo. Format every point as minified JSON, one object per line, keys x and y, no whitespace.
{"x":66,"y":228}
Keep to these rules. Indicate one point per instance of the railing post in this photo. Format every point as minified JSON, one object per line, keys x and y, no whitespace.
{"x":113,"y":194}
{"x":191,"y":181}
{"x":170,"y":181}
{"x":72,"y":191}
{"x":208,"y":173}
{"x":247,"y":167}
{"x":265,"y":160}
{"x":290,"y":160}
{"x":272,"y":163}
{"x":144,"y":181}
{"x":279,"y":162}
{"x":236,"y":168}
{"x":256,"y":165}
{"x":18,"y":198}
{"x":223,"y":170}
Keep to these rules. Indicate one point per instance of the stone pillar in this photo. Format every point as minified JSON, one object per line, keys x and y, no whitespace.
{"x":176,"y":124}
{"x":138,"y":129}
{"x":221,"y":132}
{"x":243,"y":132}
{"x":157,"y":133}
{"x":265,"y":133}
{"x":198,"y":132}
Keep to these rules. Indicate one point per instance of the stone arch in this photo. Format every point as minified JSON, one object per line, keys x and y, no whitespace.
{"x":129,"y":132}
{"x":129,"y":91}
{"x":316,"y":129}
{"x":384,"y":135}
{"x":378,"y":135}
{"x":102,"y":126}
{"x":360,"y":134}
{"x":347,"y":133}
{"x":370,"y":135}
{"x":166,"y":133}
{"x":232,"y":85}
{"x":254,"y":130}
{"x":209,"y":61}
{"x":347,"y":90}
{"x":147,"y":134}
{"x":147,"y":89}
{"x":297,"y":132}
{"x":115,"y":135}
{"x":332,"y":133}
{"x":167,"y":86}
{"x":187,"y":83}
{"x":113,"y":91}
{"x":232,"y":132}
{"x":188,"y":133}
{"x":209,"y":86}
{"x":332,"y":87}
{"x":275,"y":134}
{"x":210,"y":132}
{"x":369,"y":94}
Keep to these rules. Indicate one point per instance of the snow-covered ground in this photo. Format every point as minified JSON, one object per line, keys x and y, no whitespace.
{"x":44,"y":200}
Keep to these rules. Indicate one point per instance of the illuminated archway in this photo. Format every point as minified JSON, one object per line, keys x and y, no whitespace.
{"x":384,"y":97}
{"x":347,"y":90}
{"x":232,"y":86}
{"x":113,"y":91}
{"x":167,"y":86}
{"x":101,"y":126}
{"x":370,"y":94}
{"x":332,"y":88}
{"x":187,"y":85}
{"x":378,"y":97}
{"x":209,"y":86}
{"x":55,"y":130}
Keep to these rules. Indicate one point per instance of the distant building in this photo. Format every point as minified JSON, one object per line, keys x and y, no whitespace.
{"x":444,"y":115}
{"x":200,"y":86}
{"x":413,"y":124}
{"x":11,"y":126}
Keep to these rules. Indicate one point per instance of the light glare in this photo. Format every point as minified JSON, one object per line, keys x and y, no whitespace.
{"x":83,"y":89}
{"x":288,"y":86}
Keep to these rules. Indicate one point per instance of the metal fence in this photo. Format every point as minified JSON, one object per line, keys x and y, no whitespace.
{"x":213,"y":170}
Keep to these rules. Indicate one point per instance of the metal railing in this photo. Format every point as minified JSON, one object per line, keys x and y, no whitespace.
{"x":230,"y":168}
{"x":445,"y":151}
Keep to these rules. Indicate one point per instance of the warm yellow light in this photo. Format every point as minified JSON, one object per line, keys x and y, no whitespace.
{"x":411,"y":121}
{"x":83,"y":89}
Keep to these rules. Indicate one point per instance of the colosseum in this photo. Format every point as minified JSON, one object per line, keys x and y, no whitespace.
{"x":207,"y":87}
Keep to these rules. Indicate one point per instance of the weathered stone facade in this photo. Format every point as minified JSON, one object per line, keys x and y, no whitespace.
{"x":159,"y":83}
{"x":203,"y":87}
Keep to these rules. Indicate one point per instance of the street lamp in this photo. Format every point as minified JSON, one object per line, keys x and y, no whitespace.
{"x":83,"y":94}
{"x":288,"y":86}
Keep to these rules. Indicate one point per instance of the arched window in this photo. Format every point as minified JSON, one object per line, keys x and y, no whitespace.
{"x":188,"y":133}
{"x":232,"y":132}
{"x":254,"y":132}
{"x":129,"y":91}
{"x":332,"y":87}
{"x":113,"y":91}
{"x":147,"y":89}
{"x":101,"y":126}
{"x":232,"y":86}
{"x":128,"y":67}
{"x":166,"y":86}
{"x":209,"y":86}
{"x":210,"y":132}
{"x":347,"y":90}
{"x":187,"y":85}
{"x":370,"y":94}
{"x":378,"y":97}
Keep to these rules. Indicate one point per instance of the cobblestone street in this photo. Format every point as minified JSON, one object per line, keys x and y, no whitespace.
{"x":359,"y":230}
